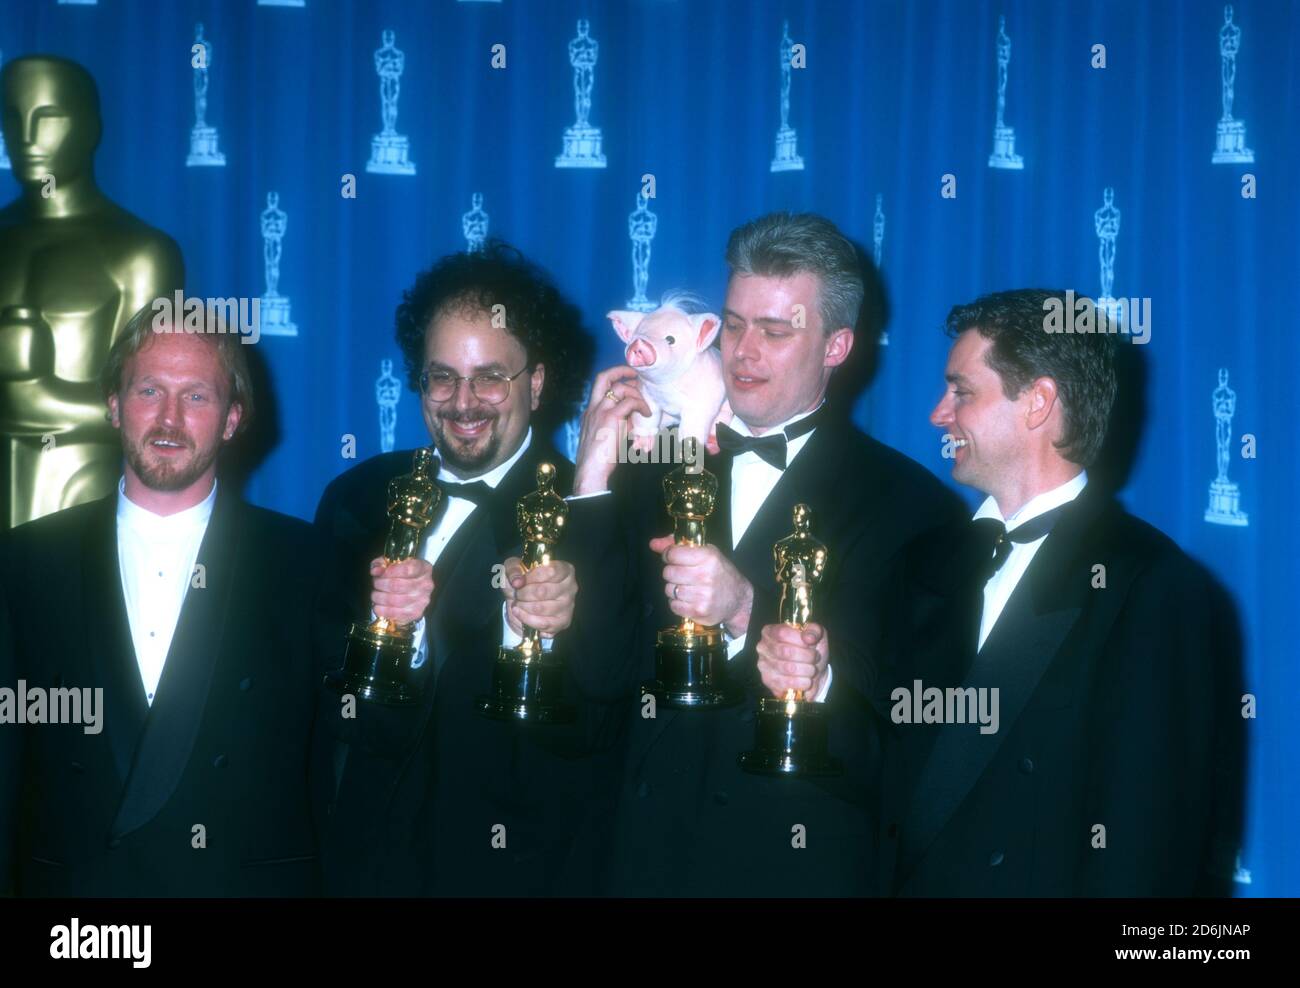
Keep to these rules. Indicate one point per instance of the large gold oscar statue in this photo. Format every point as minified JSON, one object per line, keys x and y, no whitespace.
{"x":73,"y":269}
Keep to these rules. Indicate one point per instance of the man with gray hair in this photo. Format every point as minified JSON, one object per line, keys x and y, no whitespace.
{"x":691,"y":822}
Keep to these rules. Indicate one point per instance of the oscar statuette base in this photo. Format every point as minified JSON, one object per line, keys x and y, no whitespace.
{"x":376,"y":668}
{"x":527,"y":686}
{"x":790,"y":739}
{"x":691,"y":670}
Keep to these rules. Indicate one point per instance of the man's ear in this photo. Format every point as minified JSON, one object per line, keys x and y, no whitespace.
{"x":537,"y":381}
{"x":233,"y":414}
{"x":114,"y":412}
{"x":1041,"y":395}
{"x":838,"y":346}
{"x":706,"y":330}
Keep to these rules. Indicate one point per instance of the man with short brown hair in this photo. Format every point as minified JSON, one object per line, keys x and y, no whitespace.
{"x":164,"y":606}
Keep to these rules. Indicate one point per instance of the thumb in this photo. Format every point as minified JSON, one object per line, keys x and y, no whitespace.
{"x":812,"y":634}
{"x":661,"y":543}
{"x":515,"y":571}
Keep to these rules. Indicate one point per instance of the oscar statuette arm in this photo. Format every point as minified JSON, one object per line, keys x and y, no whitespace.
{"x":33,"y":401}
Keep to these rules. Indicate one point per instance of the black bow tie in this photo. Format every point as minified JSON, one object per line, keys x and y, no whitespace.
{"x":475,"y":490}
{"x":993,"y":534}
{"x":771,"y":447}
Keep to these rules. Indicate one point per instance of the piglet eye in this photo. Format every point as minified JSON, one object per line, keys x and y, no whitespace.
{"x":669,"y":340}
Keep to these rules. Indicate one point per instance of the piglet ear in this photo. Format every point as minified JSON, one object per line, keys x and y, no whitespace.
{"x":706,"y":329}
{"x":625,"y":322}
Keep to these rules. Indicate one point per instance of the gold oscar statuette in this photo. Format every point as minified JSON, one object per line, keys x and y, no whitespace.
{"x":791,"y":731}
{"x":690,"y":658}
{"x":377,"y":661}
{"x":528,"y":680}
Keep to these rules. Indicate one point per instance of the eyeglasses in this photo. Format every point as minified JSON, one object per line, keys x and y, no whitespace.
{"x":490,"y":388}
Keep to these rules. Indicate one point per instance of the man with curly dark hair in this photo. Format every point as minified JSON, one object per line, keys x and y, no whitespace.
{"x":501,"y":287}
{"x":435,"y":798}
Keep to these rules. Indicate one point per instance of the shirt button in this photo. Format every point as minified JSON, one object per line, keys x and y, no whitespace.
{"x":995,"y":859}
{"x":1027,"y":766}
{"x":721,"y":798}
{"x":246,"y":683}
{"x":151,"y":634}
{"x":643,"y":790}
{"x":219,"y":761}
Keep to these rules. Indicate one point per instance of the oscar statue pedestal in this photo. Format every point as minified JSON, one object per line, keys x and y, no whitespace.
{"x":691,"y":669}
{"x":1230,"y":144}
{"x":791,"y":738}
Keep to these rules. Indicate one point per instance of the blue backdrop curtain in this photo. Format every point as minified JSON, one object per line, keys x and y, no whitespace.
{"x":894,"y":96}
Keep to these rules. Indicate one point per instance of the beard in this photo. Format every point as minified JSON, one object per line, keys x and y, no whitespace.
{"x":166,"y":475}
{"x":467,"y":457}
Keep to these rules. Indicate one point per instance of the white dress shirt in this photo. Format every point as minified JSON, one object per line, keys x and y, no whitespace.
{"x":155,"y":558}
{"x":456,"y":514}
{"x":752,"y":480}
{"x":1001,"y":585}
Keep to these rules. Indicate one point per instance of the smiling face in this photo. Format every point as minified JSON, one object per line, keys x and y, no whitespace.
{"x":990,"y":430}
{"x":777,"y":357}
{"x":174,"y":413}
{"x":473,"y":436}
{"x":51,"y":123}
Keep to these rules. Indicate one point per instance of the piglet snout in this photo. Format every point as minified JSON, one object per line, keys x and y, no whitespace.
{"x":640,"y":354}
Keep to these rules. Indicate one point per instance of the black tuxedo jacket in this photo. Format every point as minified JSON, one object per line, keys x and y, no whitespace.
{"x":690,"y":821}
{"x":422,"y":788}
{"x":225,"y":746}
{"x":1120,"y":721}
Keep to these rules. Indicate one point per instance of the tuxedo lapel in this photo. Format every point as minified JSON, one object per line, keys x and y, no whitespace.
{"x":112,"y":651}
{"x":174,"y":720}
{"x":521,"y":479}
{"x":461,"y":578}
{"x":807,"y":479}
{"x":1027,"y":637}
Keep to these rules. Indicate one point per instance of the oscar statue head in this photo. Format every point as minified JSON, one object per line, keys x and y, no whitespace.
{"x":50,"y":112}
